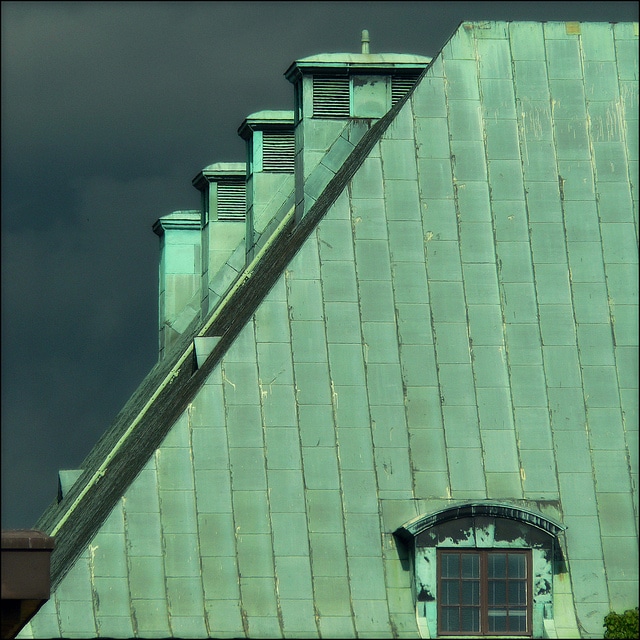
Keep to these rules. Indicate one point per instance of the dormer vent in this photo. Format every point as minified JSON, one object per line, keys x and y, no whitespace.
{"x":232,"y":200}
{"x":278,"y":151}
{"x":401,"y":85}
{"x":331,"y":97}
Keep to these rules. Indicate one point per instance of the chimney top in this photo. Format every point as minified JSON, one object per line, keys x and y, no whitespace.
{"x":365,"y":41}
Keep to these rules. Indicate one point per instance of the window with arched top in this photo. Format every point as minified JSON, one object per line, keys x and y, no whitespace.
{"x":484,"y":569}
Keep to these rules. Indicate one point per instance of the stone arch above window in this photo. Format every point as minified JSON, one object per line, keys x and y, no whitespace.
{"x":458,"y":589}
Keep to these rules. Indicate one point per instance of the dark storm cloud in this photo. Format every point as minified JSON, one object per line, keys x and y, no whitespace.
{"x":108,"y":111}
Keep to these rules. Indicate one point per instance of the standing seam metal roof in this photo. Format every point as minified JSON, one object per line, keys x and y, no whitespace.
{"x":165,"y":392}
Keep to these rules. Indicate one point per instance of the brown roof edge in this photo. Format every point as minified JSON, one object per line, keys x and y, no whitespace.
{"x":26,"y":539}
{"x":26,"y":568}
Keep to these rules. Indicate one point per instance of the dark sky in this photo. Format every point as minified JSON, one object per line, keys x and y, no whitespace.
{"x":108,"y":111}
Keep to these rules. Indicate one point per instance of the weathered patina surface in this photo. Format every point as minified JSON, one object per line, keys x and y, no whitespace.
{"x":440,"y":313}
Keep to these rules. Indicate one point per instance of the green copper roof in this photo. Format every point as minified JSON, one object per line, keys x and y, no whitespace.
{"x":365,"y":61}
{"x":226,"y":167}
{"x":337,"y":62}
{"x":270,"y":116}
{"x":334,"y":60}
{"x":262,"y":119}
{"x":452,"y":323}
{"x":218,"y":170}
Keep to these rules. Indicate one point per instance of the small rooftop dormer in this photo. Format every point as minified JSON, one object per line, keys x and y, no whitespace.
{"x":270,"y":166}
{"x":269,"y":136}
{"x":223,"y":189}
{"x":343,"y":94}
{"x":178,"y":275}
{"x":352,"y":85}
{"x":223,"y":186}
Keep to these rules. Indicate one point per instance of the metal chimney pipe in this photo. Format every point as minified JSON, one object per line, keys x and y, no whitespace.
{"x":365,"y":41}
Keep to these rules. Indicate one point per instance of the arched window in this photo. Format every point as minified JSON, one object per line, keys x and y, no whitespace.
{"x":484,"y":569}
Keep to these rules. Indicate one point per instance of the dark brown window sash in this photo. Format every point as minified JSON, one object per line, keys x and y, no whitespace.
{"x":482,"y":608}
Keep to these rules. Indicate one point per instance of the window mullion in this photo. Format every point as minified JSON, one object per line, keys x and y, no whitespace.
{"x":484,"y":591}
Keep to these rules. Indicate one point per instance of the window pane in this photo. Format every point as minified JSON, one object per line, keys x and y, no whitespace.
{"x":517,"y":592}
{"x":450,"y":565}
{"x":497,"y":592}
{"x":497,"y":620}
{"x":470,"y":565}
{"x":497,"y":565}
{"x":517,"y":565}
{"x":450,"y":619}
{"x":471,"y":592}
{"x":450,"y":592}
{"x":470,"y":619}
{"x":517,"y":619}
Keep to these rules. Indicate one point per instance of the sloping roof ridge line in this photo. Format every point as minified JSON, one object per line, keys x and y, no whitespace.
{"x":110,"y":468}
{"x":100,"y":472}
{"x":48,"y":519}
{"x":245,"y":275}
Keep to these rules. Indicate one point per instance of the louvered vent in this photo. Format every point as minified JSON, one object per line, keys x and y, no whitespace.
{"x":232,"y":200}
{"x":278,"y":151}
{"x":331,"y":97}
{"x":400,"y":85}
